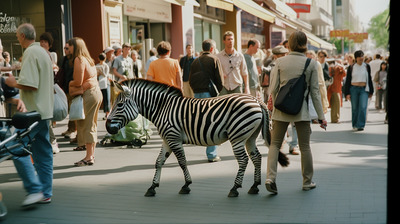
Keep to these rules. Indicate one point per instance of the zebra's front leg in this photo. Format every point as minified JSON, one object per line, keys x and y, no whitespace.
{"x":242,"y":160}
{"x":180,"y":155}
{"x":162,"y":157}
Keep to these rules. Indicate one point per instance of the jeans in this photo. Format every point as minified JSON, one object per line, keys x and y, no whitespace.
{"x":211,"y":151}
{"x":38,"y":177}
{"x":359,"y":104}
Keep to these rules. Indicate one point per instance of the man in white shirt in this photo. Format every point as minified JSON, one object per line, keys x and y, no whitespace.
{"x":234,"y":67}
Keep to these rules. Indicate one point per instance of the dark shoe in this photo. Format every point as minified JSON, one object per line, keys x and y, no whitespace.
{"x":84,"y":163}
{"x":271,"y":186}
{"x":80,"y":148}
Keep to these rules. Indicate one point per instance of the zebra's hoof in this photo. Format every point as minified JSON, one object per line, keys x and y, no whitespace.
{"x":185,"y":190}
{"x":150,"y":192}
{"x":233,"y":193}
{"x":253,"y":190}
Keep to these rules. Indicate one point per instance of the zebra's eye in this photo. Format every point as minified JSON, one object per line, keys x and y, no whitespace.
{"x":120,"y":104}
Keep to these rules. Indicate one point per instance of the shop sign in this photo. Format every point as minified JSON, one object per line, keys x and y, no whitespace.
{"x":8,"y":24}
{"x":150,"y":9}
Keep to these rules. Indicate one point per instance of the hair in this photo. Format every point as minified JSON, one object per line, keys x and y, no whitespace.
{"x":163,"y":48}
{"x":153,"y":52}
{"x":351,"y":57}
{"x":80,"y":50}
{"x":208,"y":44}
{"x":228,"y":33}
{"x":383,"y":63}
{"x":28,"y":30}
{"x":47,"y":37}
{"x":324,"y":52}
{"x":102,"y":56}
{"x":188,"y":45}
{"x":251,"y":42}
{"x":358,"y":53}
{"x":298,"y":42}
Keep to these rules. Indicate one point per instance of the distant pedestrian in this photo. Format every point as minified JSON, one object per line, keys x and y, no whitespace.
{"x":185,"y":62}
{"x":136,"y":64}
{"x":287,"y":68}
{"x":165,"y":69}
{"x":153,"y":57}
{"x":375,"y":65}
{"x":358,"y":88}
{"x":380,"y":79}
{"x":123,"y":64}
{"x":234,"y":67}
{"x":254,"y":77}
{"x":321,"y":57}
{"x":205,"y":68}
{"x":35,"y":82}
{"x":85,"y":84}
{"x":102,"y":75}
{"x":337,"y":72}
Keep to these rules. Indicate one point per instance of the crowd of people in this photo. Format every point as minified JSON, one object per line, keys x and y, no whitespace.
{"x":330,"y":80}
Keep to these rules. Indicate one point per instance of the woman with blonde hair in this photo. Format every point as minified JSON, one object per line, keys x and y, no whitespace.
{"x":85,"y":84}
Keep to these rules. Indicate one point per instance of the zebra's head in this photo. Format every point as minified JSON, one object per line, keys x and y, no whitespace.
{"x":123,"y":111}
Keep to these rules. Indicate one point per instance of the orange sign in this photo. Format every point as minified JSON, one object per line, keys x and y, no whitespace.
{"x":340,"y":33}
{"x":358,"y":37}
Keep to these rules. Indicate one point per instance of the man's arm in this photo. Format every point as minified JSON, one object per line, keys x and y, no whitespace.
{"x":11,"y":82}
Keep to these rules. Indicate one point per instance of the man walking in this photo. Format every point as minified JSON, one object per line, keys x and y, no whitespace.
{"x":254,"y":84}
{"x":36,"y":71}
{"x":123,"y":64}
{"x":205,"y":68}
{"x":234,"y":67}
{"x":185,"y":63}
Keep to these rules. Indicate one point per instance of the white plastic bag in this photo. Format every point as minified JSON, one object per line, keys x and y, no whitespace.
{"x":60,"y":110}
{"x":76,"y":111}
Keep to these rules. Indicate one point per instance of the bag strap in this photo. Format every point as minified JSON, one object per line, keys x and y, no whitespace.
{"x":304,"y":73}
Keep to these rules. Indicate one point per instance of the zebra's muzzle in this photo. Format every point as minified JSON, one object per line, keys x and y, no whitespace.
{"x":111,"y":127}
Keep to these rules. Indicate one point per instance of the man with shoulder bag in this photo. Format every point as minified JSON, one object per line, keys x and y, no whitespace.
{"x":205,"y":74}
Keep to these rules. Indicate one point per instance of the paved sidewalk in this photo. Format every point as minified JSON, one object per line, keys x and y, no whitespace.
{"x":350,"y":172}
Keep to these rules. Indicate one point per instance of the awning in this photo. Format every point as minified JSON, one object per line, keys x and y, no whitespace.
{"x":318,"y":42}
{"x":221,"y":4}
{"x":183,"y":2}
{"x":282,"y":8}
{"x":255,"y":9}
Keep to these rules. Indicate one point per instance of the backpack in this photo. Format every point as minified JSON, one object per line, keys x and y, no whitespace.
{"x":290,"y":96}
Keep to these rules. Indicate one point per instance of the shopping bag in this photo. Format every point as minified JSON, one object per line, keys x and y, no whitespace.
{"x":60,"y":110}
{"x":76,"y":112}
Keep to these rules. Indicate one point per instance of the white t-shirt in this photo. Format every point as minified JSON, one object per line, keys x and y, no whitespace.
{"x":359,"y":73}
{"x":103,"y":77}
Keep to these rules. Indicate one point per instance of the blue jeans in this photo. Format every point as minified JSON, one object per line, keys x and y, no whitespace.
{"x":211,"y":151}
{"x":38,"y":177}
{"x":359,"y":104}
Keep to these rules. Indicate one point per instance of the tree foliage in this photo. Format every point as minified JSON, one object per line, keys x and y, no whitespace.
{"x":378,"y":30}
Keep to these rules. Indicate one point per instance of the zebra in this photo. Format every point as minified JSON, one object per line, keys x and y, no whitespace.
{"x":205,"y":122}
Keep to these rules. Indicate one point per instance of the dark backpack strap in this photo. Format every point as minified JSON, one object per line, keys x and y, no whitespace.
{"x":304,"y":73}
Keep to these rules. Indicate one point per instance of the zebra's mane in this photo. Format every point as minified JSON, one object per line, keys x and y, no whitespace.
{"x":131,"y":83}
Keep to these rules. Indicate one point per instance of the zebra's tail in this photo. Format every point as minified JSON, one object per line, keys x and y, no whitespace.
{"x":266,"y":133}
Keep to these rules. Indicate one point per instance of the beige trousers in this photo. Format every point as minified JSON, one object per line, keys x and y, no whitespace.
{"x":278,"y":132}
{"x":87,"y":128}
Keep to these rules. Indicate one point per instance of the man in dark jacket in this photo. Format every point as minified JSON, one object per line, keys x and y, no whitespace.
{"x":205,"y":68}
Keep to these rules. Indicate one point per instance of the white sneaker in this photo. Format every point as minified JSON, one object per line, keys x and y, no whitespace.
{"x":54,"y":145}
{"x":310,"y":186}
{"x":32,"y":199}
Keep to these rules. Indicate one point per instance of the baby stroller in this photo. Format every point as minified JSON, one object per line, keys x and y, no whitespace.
{"x":25,"y":122}
{"x":134,"y":134}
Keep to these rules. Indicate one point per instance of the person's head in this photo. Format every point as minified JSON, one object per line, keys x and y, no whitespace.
{"x":164,"y":48}
{"x":26,"y":34}
{"x":298,"y":42}
{"x":134,"y":55}
{"x":46,"y":40}
{"x":102,"y":57}
{"x":77,"y":48}
{"x":126,"y":49}
{"x":359,"y":57}
{"x":311,"y":54}
{"x":189,"y":50}
{"x":208,"y":45}
{"x":279,"y":51}
{"x":322,"y":54}
{"x":153,"y":52}
{"x":285,"y":43}
{"x":377,"y":56}
{"x":117,"y":49}
{"x":350,"y":59}
{"x":229,"y":39}
{"x":66,"y":49}
{"x":252,"y":46}
{"x":6,"y":56}
{"x":383,"y":66}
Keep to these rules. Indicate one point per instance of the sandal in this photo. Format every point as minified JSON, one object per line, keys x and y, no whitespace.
{"x":80,"y":148}
{"x":84,"y":163}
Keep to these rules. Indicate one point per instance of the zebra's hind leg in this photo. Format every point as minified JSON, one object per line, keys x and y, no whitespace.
{"x":242,"y":159}
{"x":162,"y":157}
{"x":255,"y":157}
{"x":180,"y":155}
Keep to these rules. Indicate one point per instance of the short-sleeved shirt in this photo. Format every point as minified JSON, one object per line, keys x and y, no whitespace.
{"x":124,"y":66}
{"x":37,"y":72}
{"x":164,"y":70}
{"x":103,"y":76}
{"x":252,"y":70}
{"x":234,"y":66}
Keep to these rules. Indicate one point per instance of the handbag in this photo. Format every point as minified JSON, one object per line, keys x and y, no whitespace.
{"x":60,"y":110}
{"x":76,"y":111}
{"x":291,"y":96}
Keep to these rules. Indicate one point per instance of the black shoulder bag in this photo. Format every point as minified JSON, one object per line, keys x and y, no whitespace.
{"x":290,"y":96}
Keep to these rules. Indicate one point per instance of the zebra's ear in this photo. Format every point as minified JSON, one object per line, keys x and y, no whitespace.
{"x":122,"y":88}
